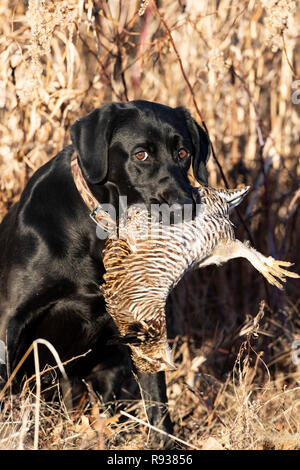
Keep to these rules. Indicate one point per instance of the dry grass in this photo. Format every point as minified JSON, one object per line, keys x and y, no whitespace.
{"x":248,"y":409}
{"x":233,"y":64}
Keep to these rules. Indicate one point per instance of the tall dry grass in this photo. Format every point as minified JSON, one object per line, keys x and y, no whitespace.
{"x":235,"y":65}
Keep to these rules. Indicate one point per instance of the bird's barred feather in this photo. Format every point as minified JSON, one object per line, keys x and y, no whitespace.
{"x":144,"y":260}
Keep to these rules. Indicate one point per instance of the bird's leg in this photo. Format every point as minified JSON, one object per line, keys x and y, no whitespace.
{"x":267,"y":266}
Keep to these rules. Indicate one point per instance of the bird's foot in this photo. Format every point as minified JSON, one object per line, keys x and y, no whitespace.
{"x":273,"y":269}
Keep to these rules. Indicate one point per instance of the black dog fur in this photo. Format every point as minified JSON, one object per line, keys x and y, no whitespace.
{"x":50,"y":258}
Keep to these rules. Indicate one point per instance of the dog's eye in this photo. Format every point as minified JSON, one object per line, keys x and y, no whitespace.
{"x":183,"y":153}
{"x":142,"y":155}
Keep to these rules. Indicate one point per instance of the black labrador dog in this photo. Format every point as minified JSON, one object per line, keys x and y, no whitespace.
{"x":50,"y":258}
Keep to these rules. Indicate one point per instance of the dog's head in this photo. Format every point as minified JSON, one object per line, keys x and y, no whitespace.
{"x":145,"y":149}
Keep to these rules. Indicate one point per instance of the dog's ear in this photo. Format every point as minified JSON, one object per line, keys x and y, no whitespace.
{"x":201,"y":147}
{"x":90,"y":137}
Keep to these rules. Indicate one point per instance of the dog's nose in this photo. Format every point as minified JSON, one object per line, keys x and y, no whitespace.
{"x":178,"y":203}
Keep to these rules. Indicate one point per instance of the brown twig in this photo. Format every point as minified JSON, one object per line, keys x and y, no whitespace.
{"x":160,"y":431}
{"x":287,"y":57}
{"x":102,"y":67}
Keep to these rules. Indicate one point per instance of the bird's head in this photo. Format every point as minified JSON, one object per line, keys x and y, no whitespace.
{"x":154,"y":359}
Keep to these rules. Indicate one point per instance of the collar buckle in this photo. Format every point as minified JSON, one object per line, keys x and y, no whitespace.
{"x":105,"y":219}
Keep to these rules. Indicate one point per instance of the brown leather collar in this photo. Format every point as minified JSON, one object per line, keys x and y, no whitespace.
{"x":98,"y":214}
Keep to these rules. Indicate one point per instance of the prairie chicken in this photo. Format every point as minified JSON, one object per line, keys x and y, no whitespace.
{"x":146,"y":259}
